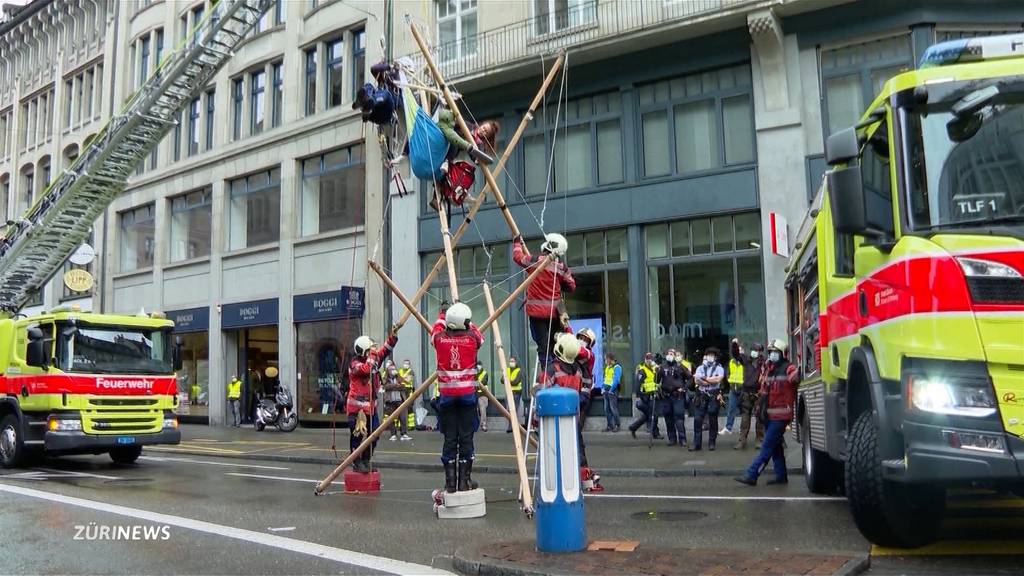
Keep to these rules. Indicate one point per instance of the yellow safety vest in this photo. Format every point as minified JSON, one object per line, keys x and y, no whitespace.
{"x":609,"y":375}
{"x":735,"y":374}
{"x":647,"y":384}
{"x":402,"y":373}
{"x":688,"y":366}
{"x":513,"y":374}
{"x":480,"y":378}
{"x":234,"y":389}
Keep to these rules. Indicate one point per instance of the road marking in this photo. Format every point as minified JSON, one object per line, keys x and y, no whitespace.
{"x":185,"y":449}
{"x":281,"y":529}
{"x":209,"y":463}
{"x":349,"y":557}
{"x":274,"y":477}
{"x":737,"y":498}
{"x":1001,"y":503}
{"x":957,"y":548}
{"x":49,"y":474}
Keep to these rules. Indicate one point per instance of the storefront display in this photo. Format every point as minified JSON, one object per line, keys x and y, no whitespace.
{"x":327,"y":323}
{"x":191,"y":333}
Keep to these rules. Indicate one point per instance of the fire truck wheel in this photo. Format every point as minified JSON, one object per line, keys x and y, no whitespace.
{"x":12,"y":446}
{"x":820,"y":472}
{"x":126,"y":455}
{"x":887,"y":513}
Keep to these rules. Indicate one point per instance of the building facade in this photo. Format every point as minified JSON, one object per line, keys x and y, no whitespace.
{"x":680,"y":132}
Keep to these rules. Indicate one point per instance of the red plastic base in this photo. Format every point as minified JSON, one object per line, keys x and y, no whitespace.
{"x":362,"y":482}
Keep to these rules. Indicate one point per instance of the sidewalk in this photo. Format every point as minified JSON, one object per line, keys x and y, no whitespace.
{"x":522,"y":559}
{"x":612,"y":454}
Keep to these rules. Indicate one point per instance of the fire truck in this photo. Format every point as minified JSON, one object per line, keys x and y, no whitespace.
{"x":83,"y":383}
{"x":906,"y":295}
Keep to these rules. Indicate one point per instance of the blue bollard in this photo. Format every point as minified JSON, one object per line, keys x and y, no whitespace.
{"x":560,"y":524}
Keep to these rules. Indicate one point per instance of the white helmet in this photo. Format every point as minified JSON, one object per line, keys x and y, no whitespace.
{"x":458,"y":316}
{"x":778,"y":344}
{"x":555,"y":244}
{"x":567,"y":347}
{"x":588,"y":334}
{"x":362,"y":345}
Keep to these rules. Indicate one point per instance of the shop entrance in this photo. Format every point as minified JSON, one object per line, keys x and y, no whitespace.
{"x":258,"y":366}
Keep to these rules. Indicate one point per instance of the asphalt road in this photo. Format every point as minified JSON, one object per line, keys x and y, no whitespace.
{"x":232,"y":516}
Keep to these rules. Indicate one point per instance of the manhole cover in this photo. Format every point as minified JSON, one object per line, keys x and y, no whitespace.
{"x":670,"y":515}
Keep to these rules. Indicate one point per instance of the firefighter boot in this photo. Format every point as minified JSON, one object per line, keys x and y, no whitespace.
{"x":366,"y":460}
{"x":465,"y":480}
{"x":451,"y":477}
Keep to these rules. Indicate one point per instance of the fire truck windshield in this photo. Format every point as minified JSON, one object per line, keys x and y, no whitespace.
{"x":965,"y":155}
{"x":114,"y":350}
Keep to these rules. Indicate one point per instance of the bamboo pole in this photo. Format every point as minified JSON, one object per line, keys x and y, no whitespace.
{"x":517,"y":439}
{"x":466,"y":132}
{"x":446,"y":238}
{"x":479,"y":200}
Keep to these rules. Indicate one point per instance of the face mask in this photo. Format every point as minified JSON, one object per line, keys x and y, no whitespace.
{"x":406,"y":365}
{"x":754,"y":354}
{"x":670,"y":359}
{"x":774,"y":356}
{"x":709,"y":359}
{"x":512,"y":364}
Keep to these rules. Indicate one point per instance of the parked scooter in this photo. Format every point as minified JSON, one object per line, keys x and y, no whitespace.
{"x":276,"y":411}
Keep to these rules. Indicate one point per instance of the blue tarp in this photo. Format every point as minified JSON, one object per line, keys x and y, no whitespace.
{"x":427,"y":144}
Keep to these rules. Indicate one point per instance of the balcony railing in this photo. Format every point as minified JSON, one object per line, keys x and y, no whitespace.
{"x":572,"y":27}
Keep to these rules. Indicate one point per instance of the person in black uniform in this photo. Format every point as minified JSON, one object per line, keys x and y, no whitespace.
{"x":673,"y":379}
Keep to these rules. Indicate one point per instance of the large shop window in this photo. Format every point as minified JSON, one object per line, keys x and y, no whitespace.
{"x":333,"y":187}
{"x":191,"y":225}
{"x":194,"y":376}
{"x":255,"y":212}
{"x":705,"y":283}
{"x":587,"y":146}
{"x":322,"y":356}
{"x":138,"y":238}
{"x":697,"y":122}
{"x":852,"y":75}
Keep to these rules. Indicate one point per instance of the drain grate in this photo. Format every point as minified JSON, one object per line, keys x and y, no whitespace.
{"x":669,"y":515}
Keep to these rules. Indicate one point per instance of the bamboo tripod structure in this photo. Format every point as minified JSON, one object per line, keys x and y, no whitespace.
{"x":449,"y":240}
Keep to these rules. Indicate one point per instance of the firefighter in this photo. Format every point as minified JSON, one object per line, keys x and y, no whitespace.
{"x":482,"y":380}
{"x":779,"y":381}
{"x":456,"y":341}
{"x":751,"y":364}
{"x":673,"y":378}
{"x":515,"y":379}
{"x":707,"y":382}
{"x":645,"y":397}
{"x":544,"y":294}
{"x":565,"y":372}
{"x":586,"y":359}
{"x":363,"y":382}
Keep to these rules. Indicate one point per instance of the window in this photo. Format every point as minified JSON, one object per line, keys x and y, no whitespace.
{"x":358,"y":60}
{"x":333,"y":187}
{"x":176,"y":143}
{"x":587,"y":146}
{"x":5,"y":196}
{"x":197,"y":17}
{"x":697,"y":122}
{"x":193,"y":127}
{"x":852,"y":75}
{"x":255,"y":210}
{"x":138,"y":238}
{"x":7,"y":127}
{"x":333,"y":70}
{"x":211,"y":97}
{"x":28,"y":186}
{"x":456,"y":29}
{"x":143,"y":60}
{"x":257,"y":109}
{"x":238,"y":97}
{"x":877,"y":182}
{"x":69,"y":87}
{"x":191,"y":225}
{"x":159,"y":47}
{"x":554,"y":15}
{"x":263,"y":23}
{"x":277,"y":105}
{"x":88,"y":89}
{"x":80,"y":111}
{"x":280,"y":12}
{"x":68,"y":293}
{"x":311,"y":81}
{"x":44,"y":173}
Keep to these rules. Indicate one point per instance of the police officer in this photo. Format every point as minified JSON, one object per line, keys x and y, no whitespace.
{"x":482,"y":379}
{"x":673,"y":378}
{"x":645,"y":397}
{"x":234,"y":398}
{"x":515,"y":379}
{"x":707,"y":382}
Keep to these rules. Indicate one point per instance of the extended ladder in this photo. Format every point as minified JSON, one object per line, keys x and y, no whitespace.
{"x":37,"y":245}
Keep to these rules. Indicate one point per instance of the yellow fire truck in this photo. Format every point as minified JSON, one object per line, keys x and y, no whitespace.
{"x":906,"y":294}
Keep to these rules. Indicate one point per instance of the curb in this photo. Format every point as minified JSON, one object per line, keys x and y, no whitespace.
{"x":485,"y":469}
{"x":857,"y":565}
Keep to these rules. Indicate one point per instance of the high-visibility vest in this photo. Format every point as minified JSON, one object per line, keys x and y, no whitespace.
{"x":735,"y":374}
{"x":480,"y":378}
{"x":234,"y":389}
{"x":647,"y":384}
{"x":688,"y":366}
{"x":513,"y":378}
{"x":609,"y":375}
{"x":402,"y":373}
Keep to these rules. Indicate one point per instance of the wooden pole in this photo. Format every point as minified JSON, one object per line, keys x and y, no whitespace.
{"x":446,"y":238}
{"x":466,"y":132}
{"x":517,"y":440}
{"x":541,"y":265}
{"x":479,"y":201}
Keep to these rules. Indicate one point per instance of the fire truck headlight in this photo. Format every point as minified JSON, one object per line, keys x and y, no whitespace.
{"x":170,"y":423}
{"x":976,"y":268}
{"x":954,"y":398}
{"x":63,"y":425}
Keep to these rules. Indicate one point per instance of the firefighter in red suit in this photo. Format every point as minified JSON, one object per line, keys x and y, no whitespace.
{"x":544,"y":294}
{"x":585,"y":360}
{"x":565,"y":371}
{"x":456,"y":341}
{"x":363,"y":382}
{"x":779,"y":381}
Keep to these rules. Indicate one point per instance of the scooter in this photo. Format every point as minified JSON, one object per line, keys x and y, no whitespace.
{"x":276,"y":412}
